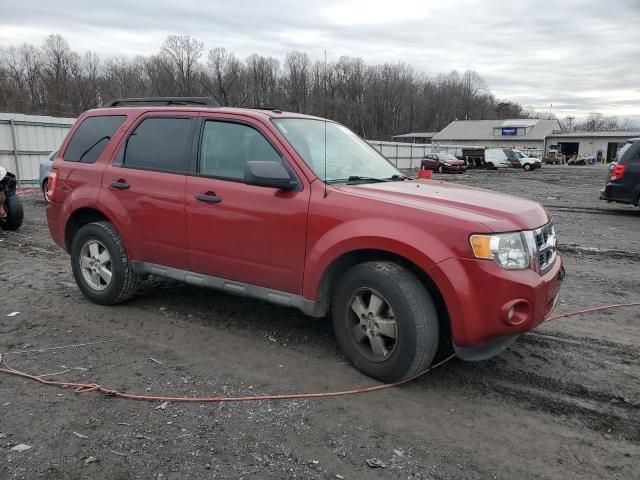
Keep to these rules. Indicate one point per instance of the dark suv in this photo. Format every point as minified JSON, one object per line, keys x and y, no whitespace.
{"x":300,"y":211}
{"x":623,"y":185}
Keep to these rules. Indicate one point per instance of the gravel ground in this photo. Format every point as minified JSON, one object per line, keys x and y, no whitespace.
{"x":562,"y":402}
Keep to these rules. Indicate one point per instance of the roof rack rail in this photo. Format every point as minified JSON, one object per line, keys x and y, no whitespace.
{"x":272,"y":109}
{"x":162,"y":102}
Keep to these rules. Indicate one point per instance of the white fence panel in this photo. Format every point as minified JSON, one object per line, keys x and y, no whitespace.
{"x":25,"y":140}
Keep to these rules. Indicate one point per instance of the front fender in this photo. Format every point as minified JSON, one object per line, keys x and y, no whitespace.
{"x":396,"y":237}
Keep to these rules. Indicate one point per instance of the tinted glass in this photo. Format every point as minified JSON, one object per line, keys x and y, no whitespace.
{"x":159,"y":143}
{"x":227,"y":147}
{"x":91,"y":137}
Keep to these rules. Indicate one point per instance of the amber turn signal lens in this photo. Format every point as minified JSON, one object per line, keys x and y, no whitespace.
{"x":481,"y":245}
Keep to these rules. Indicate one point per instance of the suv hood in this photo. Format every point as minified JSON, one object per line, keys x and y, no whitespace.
{"x":496,"y":211}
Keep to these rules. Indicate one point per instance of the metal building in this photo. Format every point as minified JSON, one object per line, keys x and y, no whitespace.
{"x":603,"y":146}
{"x":528,"y":134}
{"x":25,"y":140}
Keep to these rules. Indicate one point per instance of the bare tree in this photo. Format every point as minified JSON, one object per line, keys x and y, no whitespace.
{"x":376,"y":101}
{"x":183,"y":52}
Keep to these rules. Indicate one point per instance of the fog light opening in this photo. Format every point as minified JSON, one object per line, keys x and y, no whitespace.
{"x":515,"y":313}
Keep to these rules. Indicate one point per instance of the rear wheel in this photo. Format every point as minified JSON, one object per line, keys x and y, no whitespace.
{"x":101,"y":266}
{"x":385,"y":321}
{"x":45,"y":191}
{"x":15,"y":213}
{"x":490,"y":166}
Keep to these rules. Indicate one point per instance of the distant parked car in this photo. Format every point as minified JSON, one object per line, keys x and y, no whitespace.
{"x":443,"y":162}
{"x":45,"y":166}
{"x":519,"y":159}
{"x":509,"y":158}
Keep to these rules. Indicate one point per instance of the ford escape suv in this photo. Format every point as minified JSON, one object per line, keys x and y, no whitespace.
{"x":299,"y":211}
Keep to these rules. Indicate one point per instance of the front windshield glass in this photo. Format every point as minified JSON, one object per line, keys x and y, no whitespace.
{"x":348,"y":157}
{"x":447,"y":156}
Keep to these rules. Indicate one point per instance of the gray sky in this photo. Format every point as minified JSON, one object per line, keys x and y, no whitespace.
{"x":580,"y":56}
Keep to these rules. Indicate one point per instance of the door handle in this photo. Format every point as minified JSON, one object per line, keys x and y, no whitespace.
{"x":119,"y":184}
{"x":208,"y":197}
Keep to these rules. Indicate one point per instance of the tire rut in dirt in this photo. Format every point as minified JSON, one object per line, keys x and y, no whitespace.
{"x":597,"y":410}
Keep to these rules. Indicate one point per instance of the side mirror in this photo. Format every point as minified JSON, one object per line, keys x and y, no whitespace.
{"x":269,"y":174}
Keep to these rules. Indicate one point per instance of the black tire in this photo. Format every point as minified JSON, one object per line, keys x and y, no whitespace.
{"x":490,"y":166}
{"x":45,"y":186}
{"x":15,"y":213}
{"x":440,"y":169}
{"x":124,"y":281}
{"x":526,"y":167}
{"x":417,"y":328}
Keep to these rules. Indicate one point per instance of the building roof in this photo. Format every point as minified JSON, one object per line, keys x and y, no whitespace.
{"x":484,"y":130}
{"x":611,"y":133}
{"x":416,"y":135}
{"x":20,"y":117}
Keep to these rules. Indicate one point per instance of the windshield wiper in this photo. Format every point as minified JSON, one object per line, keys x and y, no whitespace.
{"x":356,"y":179}
{"x":397,"y":178}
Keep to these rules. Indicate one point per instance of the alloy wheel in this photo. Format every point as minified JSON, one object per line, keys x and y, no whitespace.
{"x":372,"y":324}
{"x":95,"y":265}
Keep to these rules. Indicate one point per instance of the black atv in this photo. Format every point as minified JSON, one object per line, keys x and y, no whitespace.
{"x":11,"y":213}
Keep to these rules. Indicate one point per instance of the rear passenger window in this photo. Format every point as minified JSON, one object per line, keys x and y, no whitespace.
{"x":91,"y":137}
{"x":159,"y":143}
{"x":227,"y":147}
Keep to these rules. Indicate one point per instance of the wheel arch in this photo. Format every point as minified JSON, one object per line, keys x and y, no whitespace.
{"x":78,"y":219}
{"x":349,"y":259}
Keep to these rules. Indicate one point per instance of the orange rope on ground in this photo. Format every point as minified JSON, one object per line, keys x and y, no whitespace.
{"x":93,"y":387}
{"x":593,"y":310}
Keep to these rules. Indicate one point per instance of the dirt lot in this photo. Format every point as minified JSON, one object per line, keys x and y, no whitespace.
{"x":563,"y":402}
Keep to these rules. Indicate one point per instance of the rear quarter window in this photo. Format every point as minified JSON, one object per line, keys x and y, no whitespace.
{"x":630,"y":153}
{"x":91,"y":137}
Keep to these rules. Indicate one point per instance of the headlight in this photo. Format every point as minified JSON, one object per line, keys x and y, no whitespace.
{"x":509,"y":250}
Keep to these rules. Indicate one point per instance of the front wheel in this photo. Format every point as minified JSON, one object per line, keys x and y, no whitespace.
{"x":526,"y":167}
{"x":15,"y":213}
{"x":385,"y":321}
{"x":440,"y":168}
{"x":101,"y":266}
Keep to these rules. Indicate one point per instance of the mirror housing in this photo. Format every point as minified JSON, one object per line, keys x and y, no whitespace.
{"x":269,"y":174}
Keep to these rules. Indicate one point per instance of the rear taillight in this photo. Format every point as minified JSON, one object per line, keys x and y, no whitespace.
{"x":52,"y":183}
{"x":618,"y":172}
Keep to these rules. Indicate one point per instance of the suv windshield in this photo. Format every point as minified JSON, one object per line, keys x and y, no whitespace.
{"x":348,"y":157}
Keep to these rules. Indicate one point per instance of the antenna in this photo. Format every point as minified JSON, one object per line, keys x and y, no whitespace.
{"x":325,"y":123}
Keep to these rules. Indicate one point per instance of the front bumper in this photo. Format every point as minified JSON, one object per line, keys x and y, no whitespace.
{"x":477,"y":293}
{"x":455,"y":168}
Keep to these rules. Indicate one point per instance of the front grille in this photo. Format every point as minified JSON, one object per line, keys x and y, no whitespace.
{"x":545,"y":238}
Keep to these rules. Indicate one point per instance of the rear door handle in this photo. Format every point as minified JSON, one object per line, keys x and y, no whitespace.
{"x":120,"y":184}
{"x":208,"y":197}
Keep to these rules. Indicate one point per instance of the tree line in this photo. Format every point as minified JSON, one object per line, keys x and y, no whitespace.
{"x":376,"y":101}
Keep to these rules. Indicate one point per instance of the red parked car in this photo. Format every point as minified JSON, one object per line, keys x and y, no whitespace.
{"x":299,"y":211}
{"x":443,"y":162}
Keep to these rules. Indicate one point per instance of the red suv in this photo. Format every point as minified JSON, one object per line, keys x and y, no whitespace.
{"x":299,"y":211}
{"x":443,"y":162}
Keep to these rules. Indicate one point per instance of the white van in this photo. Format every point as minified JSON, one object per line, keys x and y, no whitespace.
{"x":509,"y":158}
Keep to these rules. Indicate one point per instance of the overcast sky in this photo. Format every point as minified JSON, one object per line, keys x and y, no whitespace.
{"x":580,"y":56}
